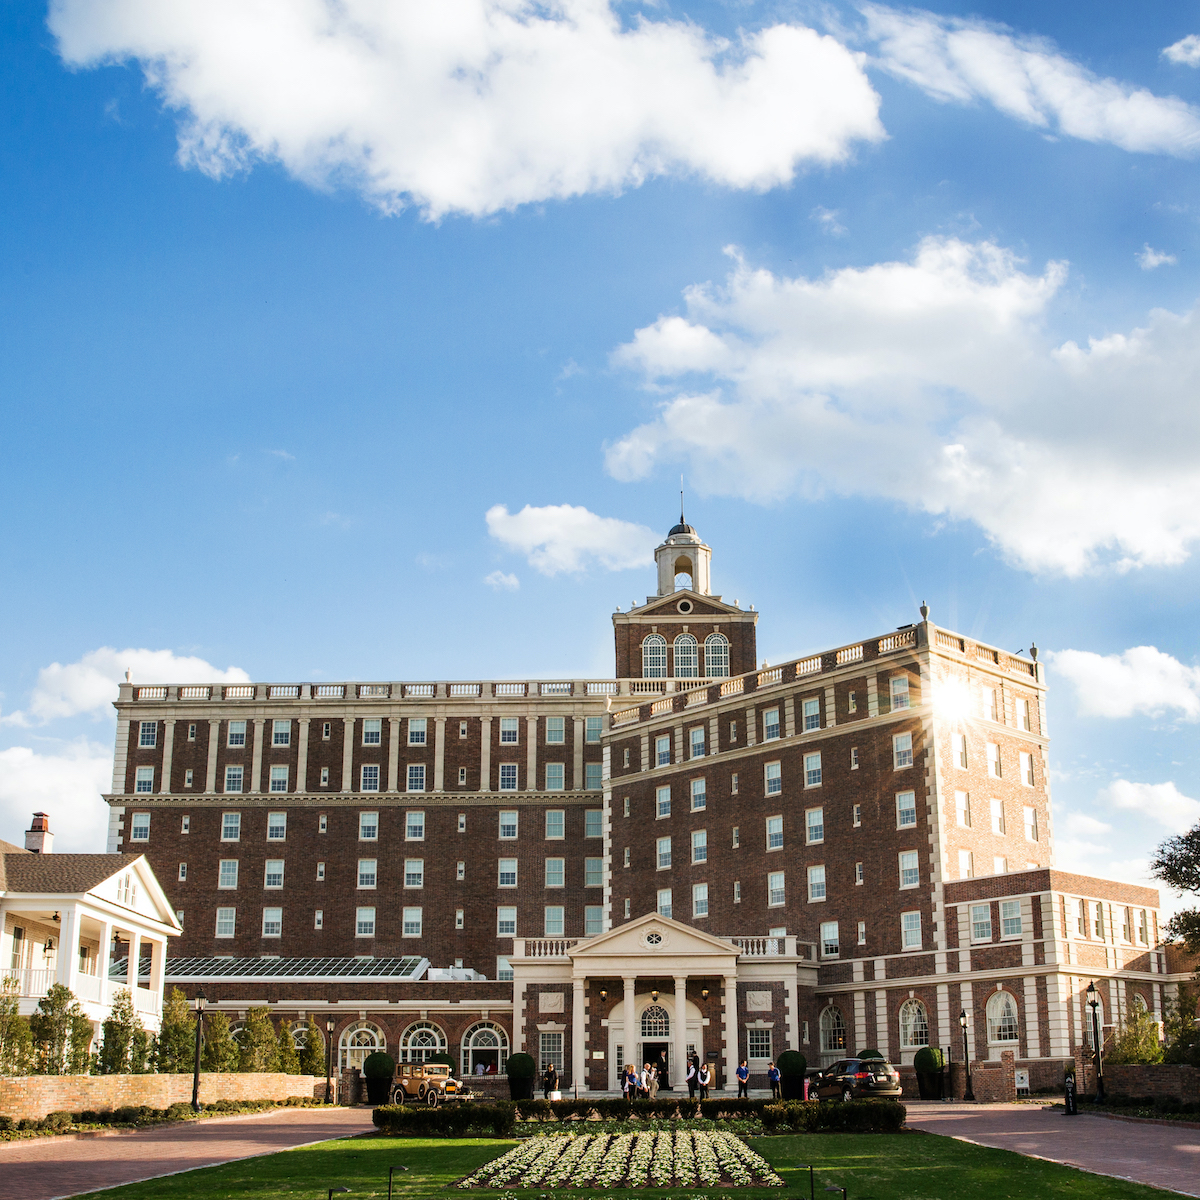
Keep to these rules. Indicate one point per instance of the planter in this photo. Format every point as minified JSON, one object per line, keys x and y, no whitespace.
{"x":791,"y":1087}
{"x":931,"y":1085}
{"x":520,"y":1089}
{"x":377,"y":1090}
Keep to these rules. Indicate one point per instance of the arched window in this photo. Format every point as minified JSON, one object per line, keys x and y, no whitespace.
{"x":683,"y":573}
{"x":484,"y":1045}
{"x":914,"y":1025}
{"x":687,"y":657}
{"x":716,"y":656}
{"x":833,"y":1031}
{"x":1139,"y":1005}
{"x":654,"y":657}
{"x":421,"y":1041}
{"x":656,"y":1022}
{"x":359,"y":1040}
{"x":300,"y":1034}
{"x":1002,"y":1018}
{"x":236,"y":1029}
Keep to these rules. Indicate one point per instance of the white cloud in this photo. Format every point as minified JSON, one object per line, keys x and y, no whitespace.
{"x":502,"y":582}
{"x":66,"y":786}
{"x":1149,"y":259}
{"x":1161,"y":802}
{"x":1140,"y":680}
{"x":827,"y":218}
{"x":1029,"y":79}
{"x":90,"y":685}
{"x":474,"y":106}
{"x":567,"y":537}
{"x":1186,"y":51}
{"x":932,"y":382}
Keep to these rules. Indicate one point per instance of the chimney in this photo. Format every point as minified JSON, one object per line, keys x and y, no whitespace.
{"x":38,"y":837}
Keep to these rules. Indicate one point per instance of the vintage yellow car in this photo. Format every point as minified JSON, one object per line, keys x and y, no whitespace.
{"x":428,"y":1083}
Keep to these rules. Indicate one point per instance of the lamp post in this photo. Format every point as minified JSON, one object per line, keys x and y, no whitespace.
{"x":392,"y":1171}
{"x":969,"y":1094}
{"x":338,"y":1189}
{"x":328,"y":1060}
{"x":199,"y":1002}
{"x":812,"y":1192}
{"x":837,"y":1189}
{"x":1094,"y":1003}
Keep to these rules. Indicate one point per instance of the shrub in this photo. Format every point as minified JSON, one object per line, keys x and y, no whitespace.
{"x":857,"y":1116}
{"x":521,"y":1066}
{"x":928,"y":1060}
{"x":6,"y":1123}
{"x":28,"y":1124}
{"x":448,"y":1120}
{"x":181,"y":1110}
{"x":792,"y":1062}
{"x":57,"y":1121}
{"x":442,"y":1057}
{"x":378,"y":1066}
{"x":870,"y":1052}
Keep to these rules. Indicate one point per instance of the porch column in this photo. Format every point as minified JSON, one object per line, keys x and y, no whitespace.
{"x":104,"y":959}
{"x":67,"y":965}
{"x":679,"y":1066}
{"x":158,"y":963}
{"x":135,"y":954}
{"x":731,"y":1033}
{"x":628,"y":1037}
{"x":578,"y":1040}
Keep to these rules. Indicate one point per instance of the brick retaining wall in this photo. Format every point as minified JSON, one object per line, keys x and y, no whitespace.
{"x":31,"y":1097}
{"x":1153,"y":1079}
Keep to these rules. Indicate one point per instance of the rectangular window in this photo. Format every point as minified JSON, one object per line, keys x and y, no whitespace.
{"x":554,"y":872}
{"x":326,"y":730}
{"x":1143,"y":928}
{"x":662,"y":802}
{"x":910,"y":869}
{"x":758,"y":1043}
{"x":368,"y":826}
{"x":830,"y":944}
{"x":462,"y":729}
{"x":812,"y":769}
{"x":814,"y":825}
{"x":510,"y":731}
{"x":862,"y":933}
{"x":737,"y":840}
{"x":696,"y":742}
{"x":857,"y":816}
{"x":322,"y":824}
{"x":506,"y":922}
{"x":319,"y":919}
{"x":993,"y":760}
{"x":733,"y":784}
{"x":324,"y":776}
{"x":554,"y":920}
{"x":554,"y":777}
{"x":663,"y":903}
{"x":281,"y":733}
{"x":775,"y":833}
{"x":816,"y":883}
{"x":593,"y":776}
{"x":699,"y":845}
{"x":852,"y":702}
{"x":1010,"y":918}
{"x":981,"y":922}
{"x":231,"y":827}
{"x":960,"y":751}
{"x":462,"y":776}
{"x":272,"y":923}
{"x":1099,"y":925}
{"x":412,"y":918}
{"x":233,"y":779}
{"x":593,"y":823}
{"x":508,"y":826}
{"x":1000,"y":865}
{"x":462,"y":822}
{"x":906,"y":809}
{"x":910,"y":931}
{"x":625,"y":757}
{"x":192,"y":732}
{"x":1027,"y":769}
{"x":858,"y":874}
{"x":414,"y":826}
{"x":1023,"y":710}
{"x":416,"y":731}
{"x":812,"y":715}
{"x":276,"y":826}
{"x":699,"y":899}
{"x":737,"y":891}
{"x":366,"y":872}
{"x":593,"y":872}
{"x":504,"y":971}
{"x":187,"y":777}
{"x":776,"y":896}
{"x":770,"y":725}
{"x":593,"y":729}
{"x":699,"y":795}
{"x":139,"y":827}
{"x":902,"y":750}
{"x":627,"y":856}
{"x":733,"y":731}
{"x":279,"y":779}
{"x":372,"y":731}
{"x":414,"y":873}
{"x":364,"y":922}
{"x":966,"y":864}
{"x":144,"y":780}
{"x":627,"y":908}
{"x":237,"y":733}
{"x":663,"y":853}
{"x":227,"y":873}
{"x":550,"y":1046}
{"x":962,"y":808}
{"x":899,"y":686}
{"x":662,"y":751}
{"x":556,"y":731}
{"x":555,"y":818}
{"x":1031,"y":826}
{"x":182,"y":872}
{"x":273,"y":874}
{"x":508,"y":872}
{"x":508,"y":777}
{"x":997,"y":807}
{"x":991,"y":704}
{"x":320,"y":871}
{"x":773,"y":779}
{"x":416,"y":777}
{"x":225,"y":922}
{"x":460,"y":871}
{"x":854,"y":758}
{"x":148,"y":735}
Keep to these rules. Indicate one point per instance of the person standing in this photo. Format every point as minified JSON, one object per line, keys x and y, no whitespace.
{"x":652,"y":1081}
{"x":743,"y":1078}
{"x":549,"y":1080}
{"x":691,"y":1078}
{"x":704,"y":1078}
{"x":773,"y":1080}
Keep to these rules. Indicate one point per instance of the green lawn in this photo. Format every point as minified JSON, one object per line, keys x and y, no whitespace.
{"x":911,"y":1166}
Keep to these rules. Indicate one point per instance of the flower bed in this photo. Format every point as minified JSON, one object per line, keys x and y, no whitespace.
{"x":676,"y":1158}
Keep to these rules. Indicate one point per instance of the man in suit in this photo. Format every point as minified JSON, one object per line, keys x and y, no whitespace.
{"x":691,"y":1077}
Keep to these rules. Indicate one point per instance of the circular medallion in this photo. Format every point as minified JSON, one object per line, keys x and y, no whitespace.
{"x":684,"y":606}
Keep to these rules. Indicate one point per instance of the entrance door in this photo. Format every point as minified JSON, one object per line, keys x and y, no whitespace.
{"x":658,"y":1054}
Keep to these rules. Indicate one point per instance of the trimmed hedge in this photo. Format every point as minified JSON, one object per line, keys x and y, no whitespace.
{"x":856,"y":1116}
{"x":447,"y":1120}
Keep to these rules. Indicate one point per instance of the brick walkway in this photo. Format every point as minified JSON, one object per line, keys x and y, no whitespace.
{"x":47,"y":1168}
{"x":1159,"y":1155}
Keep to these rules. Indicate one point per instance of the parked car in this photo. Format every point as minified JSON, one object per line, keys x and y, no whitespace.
{"x":429,"y":1083}
{"x":857,"y":1079}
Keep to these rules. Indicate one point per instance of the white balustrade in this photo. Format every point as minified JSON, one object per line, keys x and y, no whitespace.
{"x":283,"y":691}
{"x":605,"y":687}
{"x":510,"y":689}
{"x":624,"y":716}
{"x":731,"y":687}
{"x":647,"y":687}
{"x":666,"y":704}
{"x":556,"y":689}
{"x":239,"y":691}
{"x":809,"y":666}
{"x":465,"y":689}
{"x":849,"y":654}
{"x":193,"y":691}
{"x":418,"y":691}
{"x":152,"y":693}
{"x":376,"y":691}
{"x":902,"y":639}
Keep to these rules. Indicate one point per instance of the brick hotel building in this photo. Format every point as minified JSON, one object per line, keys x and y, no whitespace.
{"x":701,"y":853}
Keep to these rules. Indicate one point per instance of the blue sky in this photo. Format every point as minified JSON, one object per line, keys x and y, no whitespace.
{"x":291,"y":304}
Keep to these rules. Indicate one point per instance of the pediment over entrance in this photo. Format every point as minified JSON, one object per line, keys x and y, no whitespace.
{"x":654,"y":945}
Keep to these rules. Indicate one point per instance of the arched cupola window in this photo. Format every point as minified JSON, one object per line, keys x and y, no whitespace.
{"x":716,"y":656}
{"x":687,"y":657}
{"x":654,"y":657}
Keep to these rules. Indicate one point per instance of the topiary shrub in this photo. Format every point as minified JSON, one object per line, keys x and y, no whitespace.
{"x":442,"y":1057}
{"x":378,"y":1069}
{"x":522,"y":1070}
{"x":792,"y":1068}
{"x":869,"y":1053}
{"x":928,"y":1063}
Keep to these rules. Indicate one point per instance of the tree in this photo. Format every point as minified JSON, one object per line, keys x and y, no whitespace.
{"x":221,"y":1052}
{"x":176,"y":1053}
{"x":312,"y":1057}
{"x":1177,"y":864}
{"x":1181,"y":1036}
{"x":16,"y":1043}
{"x":1136,"y":1040}
{"x":62,"y":1034}
{"x":260,"y":1047}
{"x":289,"y":1060}
{"x":123,"y":1051}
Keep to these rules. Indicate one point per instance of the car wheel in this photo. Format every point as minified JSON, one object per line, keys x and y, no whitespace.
{"x":431,"y":1098}
{"x":847,"y":1095}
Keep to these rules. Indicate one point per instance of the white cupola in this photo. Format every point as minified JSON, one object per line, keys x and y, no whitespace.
{"x":683,"y":561}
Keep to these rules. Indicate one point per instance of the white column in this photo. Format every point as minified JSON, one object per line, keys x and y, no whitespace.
{"x":679,"y":1063}
{"x":103,"y":958}
{"x":485,"y":754}
{"x":629,"y":1035}
{"x":578,"y":1038}
{"x":256,"y":760}
{"x":347,"y":753}
{"x":214,"y":741}
{"x":577,"y":747}
{"x":164,"y":783}
{"x":67,"y":965}
{"x":135,"y":950}
{"x":731,"y":1033}
{"x":439,"y":754}
{"x":158,"y":964}
{"x":302,"y":755}
{"x":393,"y":771}
{"x":531,"y":741}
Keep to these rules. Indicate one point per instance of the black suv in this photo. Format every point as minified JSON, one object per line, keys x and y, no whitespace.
{"x":857,"y":1079}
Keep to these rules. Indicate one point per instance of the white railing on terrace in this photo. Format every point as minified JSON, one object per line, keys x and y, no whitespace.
{"x":807,"y":666}
{"x":466,"y":689}
{"x":699,"y":696}
{"x":374,"y":691}
{"x":89,"y":987}
{"x":283,"y":691}
{"x":152,"y":693}
{"x":603,"y":687}
{"x":950,"y":641}
{"x":510,"y":689}
{"x":849,"y":654}
{"x":335,"y":690}
{"x":194,"y":691}
{"x":237,"y":691}
{"x":624,"y":716}
{"x":731,"y":687}
{"x":766,"y":678}
{"x":543,"y":947}
{"x":764,"y":947}
{"x":666,"y":704}
{"x":556,"y":689}
{"x":417,"y":690}
{"x":32,"y":981}
{"x":647,"y":687}
{"x":902,"y":639}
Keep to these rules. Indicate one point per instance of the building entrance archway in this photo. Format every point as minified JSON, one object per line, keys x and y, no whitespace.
{"x":652,"y":1035}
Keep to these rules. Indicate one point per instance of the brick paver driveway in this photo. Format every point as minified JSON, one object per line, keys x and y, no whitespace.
{"x":45,"y":1168}
{"x":1161,"y":1155}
